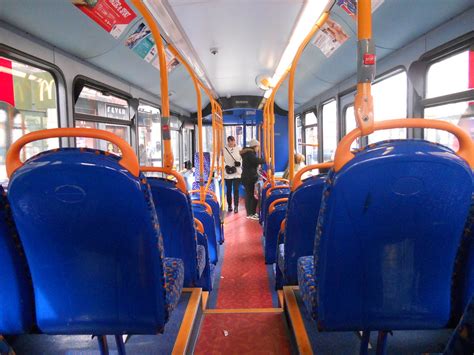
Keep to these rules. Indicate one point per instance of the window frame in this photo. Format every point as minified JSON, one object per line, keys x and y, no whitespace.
{"x":304,"y":126}
{"x":135,"y":118}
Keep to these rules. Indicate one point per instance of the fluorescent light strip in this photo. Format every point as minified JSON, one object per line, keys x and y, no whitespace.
{"x":311,"y":12}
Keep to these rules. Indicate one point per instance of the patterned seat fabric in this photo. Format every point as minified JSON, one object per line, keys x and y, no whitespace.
{"x":281,"y":257}
{"x":201,"y":256}
{"x":174,"y":278}
{"x":307,"y":284}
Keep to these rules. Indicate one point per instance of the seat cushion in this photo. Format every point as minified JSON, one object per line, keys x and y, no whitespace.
{"x":307,"y":283}
{"x":201,"y":258}
{"x":281,"y":257}
{"x":174,"y":278}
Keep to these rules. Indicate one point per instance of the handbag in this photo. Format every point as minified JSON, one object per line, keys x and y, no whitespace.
{"x":231,"y":169}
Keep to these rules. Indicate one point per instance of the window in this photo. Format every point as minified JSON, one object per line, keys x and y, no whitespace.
{"x":390,"y":102}
{"x":349,"y":118}
{"x":149,"y":135}
{"x":98,"y":110}
{"x":449,"y":76}
{"x":28,"y":102}
{"x":299,"y":135}
{"x":175,"y":144}
{"x":187,"y":145}
{"x":250,"y":132}
{"x":207,"y":138}
{"x":460,"y":114}
{"x":311,"y":140}
{"x":237,"y":132}
{"x":329,"y":130}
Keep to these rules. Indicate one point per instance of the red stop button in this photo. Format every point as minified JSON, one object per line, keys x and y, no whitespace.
{"x":369,"y":59}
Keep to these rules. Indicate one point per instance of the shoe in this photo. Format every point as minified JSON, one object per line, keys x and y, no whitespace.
{"x":229,"y":209}
{"x":236,"y":210}
{"x":254,"y":217}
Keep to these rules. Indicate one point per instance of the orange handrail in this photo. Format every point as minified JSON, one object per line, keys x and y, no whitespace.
{"x":210,"y":192}
{"x":128,"y":160}
{"x":199,"y":226}
{"x":275,"y":179}
{"x":276,"y":187}
{"x":466,"y":144}
{"x":283,"y":225}
{"x":180,"y":182}
{"x":297,"y":178}
{"x":205,"y":204}
{"x":272,"y":206}
{"x":291,"y":93}
{"x":168,"y":159}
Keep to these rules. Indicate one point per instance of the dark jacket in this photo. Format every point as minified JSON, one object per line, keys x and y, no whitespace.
{"x":250,"y":163}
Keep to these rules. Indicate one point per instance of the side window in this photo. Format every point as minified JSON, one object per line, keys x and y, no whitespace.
{"x":390,"y":102}
{"x":329,"y":130}
{"x":299,"y":135}
{"x":95,"y":109}
{"x":349,"y":119}
{"x":149,"y":135}
{"x":311,"y":138}
{"x":449,"y":76}
{"x":28,"y":102}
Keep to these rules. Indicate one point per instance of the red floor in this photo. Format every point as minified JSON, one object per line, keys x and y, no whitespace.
{"x":244,"y":284}
{"x":247,"y":333}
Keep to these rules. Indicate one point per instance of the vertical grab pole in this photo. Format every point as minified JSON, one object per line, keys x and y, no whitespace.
{"x":363,"y":102}
{"x":168,"y":158}
{"x":291,"y":91}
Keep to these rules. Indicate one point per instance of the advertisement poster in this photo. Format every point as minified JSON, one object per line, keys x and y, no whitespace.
{"x":142,"y":43}
{"x":350,"y":6}
{"x":112,"y":15}
{"x":330,"y":37}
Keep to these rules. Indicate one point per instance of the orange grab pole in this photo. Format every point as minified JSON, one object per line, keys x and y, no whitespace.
{"x":180,"y":183}
{"x":297,"y":178}
{"x":291,"y":93}
{"x":278,"y":201}
{"x":466,"y":144}
{"x":128,"y":160}
{"x":165,"y":105}
{"x":363,"y":101}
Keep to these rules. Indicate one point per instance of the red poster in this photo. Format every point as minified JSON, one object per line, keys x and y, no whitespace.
{"x":112,"y":15}
{"x":6,"y":82}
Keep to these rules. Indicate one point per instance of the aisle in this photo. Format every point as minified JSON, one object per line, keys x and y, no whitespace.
{"x":243,"y":320}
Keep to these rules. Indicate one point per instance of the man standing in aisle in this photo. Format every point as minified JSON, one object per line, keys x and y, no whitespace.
{"x":233,"y":171}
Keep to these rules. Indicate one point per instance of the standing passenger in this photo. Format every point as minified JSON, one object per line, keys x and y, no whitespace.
{"x":250,"y":163}
{"x":233,"y":170}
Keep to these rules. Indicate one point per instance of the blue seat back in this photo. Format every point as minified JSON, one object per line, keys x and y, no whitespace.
{"x":301,"y":219}
{"x":207,"y":221}
{"x":216,"y":213}
{"x":92,"y":240}
{"x":16,"y":291}
{"x":271,"y":229}
{"x":207,"y":170}
{"x":263,"y":196}
{"x":274,"y":195}
{"x":175,"y":215}
{"x":389,"y":227}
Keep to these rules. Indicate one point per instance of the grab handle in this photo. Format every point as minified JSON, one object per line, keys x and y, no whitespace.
{"x":466,"y":145}
{"x":297,"y":179}
{"x":128,"y":160}
{"x":180,"y":183}
{"x":275,"y":203}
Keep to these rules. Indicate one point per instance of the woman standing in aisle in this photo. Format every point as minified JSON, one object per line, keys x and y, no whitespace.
{"x":233,"y":170}
{"x":250,"y":163}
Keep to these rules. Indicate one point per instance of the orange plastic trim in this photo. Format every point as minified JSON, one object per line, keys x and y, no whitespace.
{"x":283,"y":225}
{"x":199,"y":226}
{"x":212,"y":193}
{"x":276,"y":202}
{"x":275,"y":179}
{"x":206,"y":205}
{"x":297,"y":179}
{"x":129,"y":160}
{"x":180,"y":182}
{"x":277,"y":187}
{"x":466,"y":144}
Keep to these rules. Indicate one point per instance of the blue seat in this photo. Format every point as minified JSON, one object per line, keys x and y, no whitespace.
{"x":297,"y":239}
{"x":216,"y":213}
{"x":263,"y":195}
{"x":93,"y":243}
{"x":280,"y":192}
{"x":16,"y":291}
{"x":270,"y":232}
{"x":387,"y":220}
{"x":176,"y":218}
{"x":207,"y":219}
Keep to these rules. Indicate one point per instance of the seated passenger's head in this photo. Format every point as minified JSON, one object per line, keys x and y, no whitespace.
{"x":299,"y":158}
